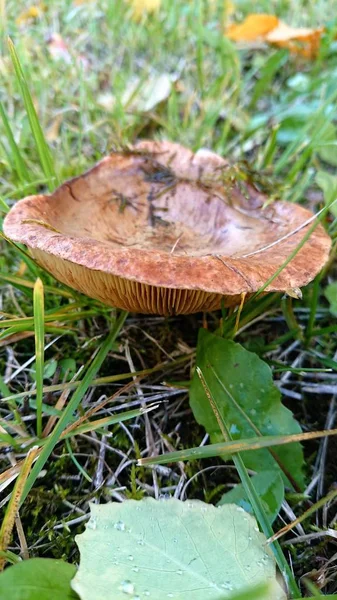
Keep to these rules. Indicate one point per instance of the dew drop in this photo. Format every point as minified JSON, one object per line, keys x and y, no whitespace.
{"x":169,"y":595}
{"x":241,"y":384}
{"x":234,"y":428}
{"x":226,"y":585}
{"x":127,"y":587}
{"x":136,"y":598}
{"x":130,"y":557}
{"x":253,"y":411}
{"x":135,"y":569}
{"x":140,"y":543}
{"x":120,"y":526}
{"x":146,"y":593}
{"x":231,"y":386}
{"x":179,"y":572}
{"x":256,"y":529}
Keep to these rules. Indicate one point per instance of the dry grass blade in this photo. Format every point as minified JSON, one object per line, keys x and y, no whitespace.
{"x":12,"y":509}
{"x":305,"y":515}
{"x":252,"y":494}
{"x":99,"y":406}
{"x":233,"y":447}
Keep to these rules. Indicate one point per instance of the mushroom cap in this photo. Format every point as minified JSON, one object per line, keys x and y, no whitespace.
{"x":158,"y":229}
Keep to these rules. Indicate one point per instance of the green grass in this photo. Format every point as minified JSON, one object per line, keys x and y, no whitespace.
{"x":265,"y":110}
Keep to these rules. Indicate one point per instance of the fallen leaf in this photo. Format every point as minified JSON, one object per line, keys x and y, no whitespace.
{"x":253,"y":27}
{"x":141,"y":96}
{"x":268,"y":28}
{"x":299,"y":40}
{"x":172,"y":549}
{"x":141,"y":8}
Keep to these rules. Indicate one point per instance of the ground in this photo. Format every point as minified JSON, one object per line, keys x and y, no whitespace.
{"x":100,"y":79}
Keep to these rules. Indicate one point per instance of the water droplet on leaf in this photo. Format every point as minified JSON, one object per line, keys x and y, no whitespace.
{"x":127,"y":587}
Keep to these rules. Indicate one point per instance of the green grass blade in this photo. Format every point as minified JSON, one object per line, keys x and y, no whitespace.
{"x":233,"y":447}
{"x":3,"y":206}
{"x":74,"y":403}
{"x":253,"y":495}
{"x":38,"y":302}
{"x":17,"y":159}
{"x":40,"y":141}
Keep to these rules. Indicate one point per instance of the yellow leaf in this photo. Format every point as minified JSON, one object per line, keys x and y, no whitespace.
{"x":33,"y":12}
{"x":141,"y":8}
{"x":254,"y":27}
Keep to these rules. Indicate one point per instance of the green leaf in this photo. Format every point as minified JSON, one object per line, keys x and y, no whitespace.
{"x":258,"y":592}
{"x":38,"y":579}
{"x":249,"y":401}
{"x":171,"y":549}
{"x":330,"y":293}
{"x":328,"y":185}
{"x":68,"y":368}
{"x":17,"y":159}
{"x":269,"y":486}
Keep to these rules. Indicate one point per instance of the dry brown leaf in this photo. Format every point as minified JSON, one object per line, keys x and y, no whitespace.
{"x":268,"y":28}
{"x":255,"y":26}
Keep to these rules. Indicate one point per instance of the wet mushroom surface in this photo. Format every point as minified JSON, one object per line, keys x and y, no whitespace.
{"x":158,"y":229}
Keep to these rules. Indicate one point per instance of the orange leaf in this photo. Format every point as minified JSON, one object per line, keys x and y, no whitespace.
{"x":255,"y":26}
{"x":299,"y":40}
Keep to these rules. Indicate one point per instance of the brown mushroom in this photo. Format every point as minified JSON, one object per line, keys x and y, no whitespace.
{"x":158,"y":229}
